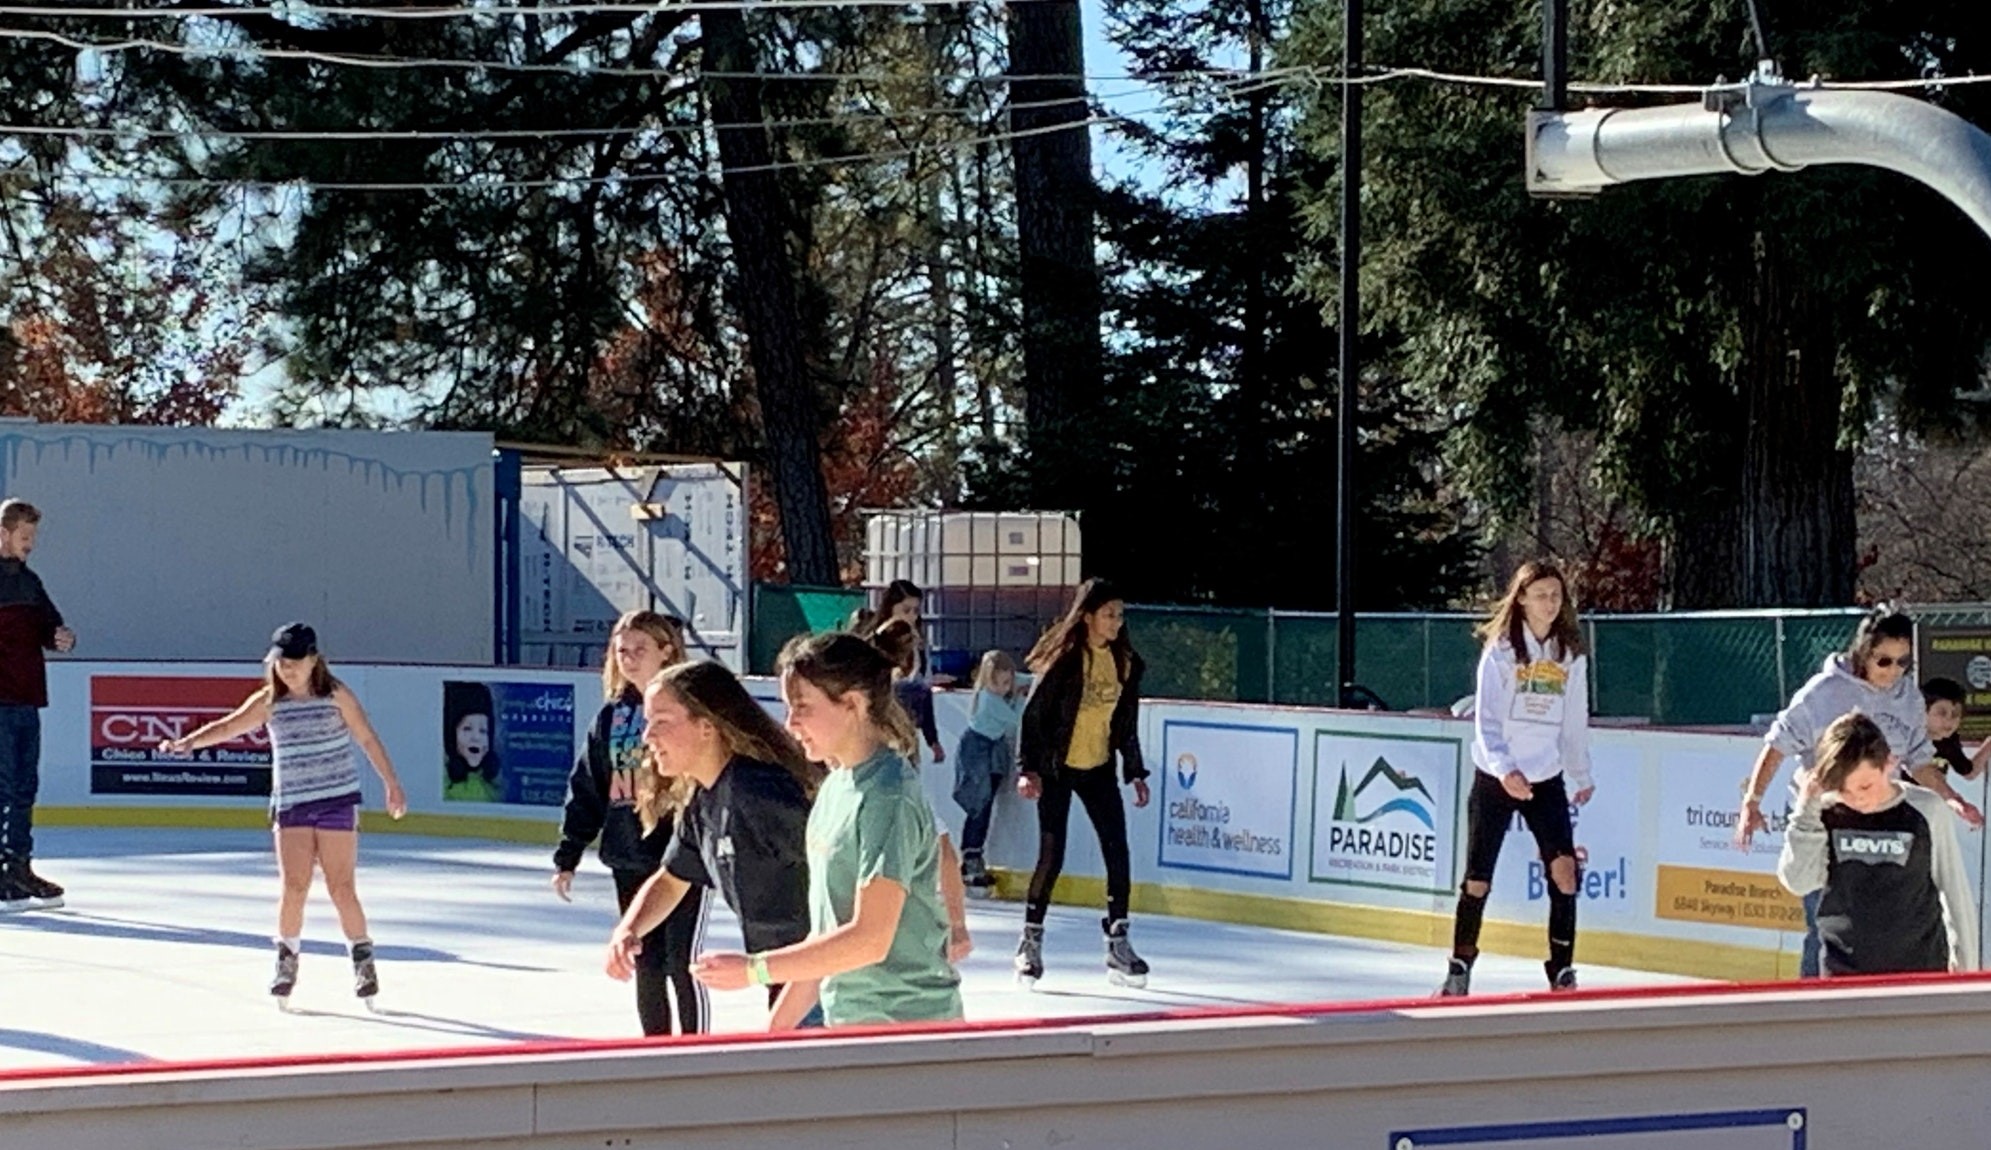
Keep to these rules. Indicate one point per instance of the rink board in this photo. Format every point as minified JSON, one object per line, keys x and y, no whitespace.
{"x":1339,"y":822}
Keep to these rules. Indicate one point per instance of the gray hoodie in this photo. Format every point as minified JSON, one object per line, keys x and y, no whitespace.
{"x":1898,"y":711}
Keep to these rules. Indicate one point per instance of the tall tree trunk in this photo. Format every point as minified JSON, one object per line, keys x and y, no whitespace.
{"x":757,"y":225}
{"x":1054,"y":232}
{"x":1777,"y":527}
{"x":1798,"y":534}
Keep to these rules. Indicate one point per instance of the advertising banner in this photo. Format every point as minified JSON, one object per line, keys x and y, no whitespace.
{"x":130,"y":715}
{"x":1229,"y":798}
{"x":1702,"y":875}
{"x":1962,"y":654}
{"x":507,"y":742}
{"x":1385,"y":810}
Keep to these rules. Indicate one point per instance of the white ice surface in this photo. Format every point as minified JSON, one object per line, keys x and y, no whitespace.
{"x":164,"y":953}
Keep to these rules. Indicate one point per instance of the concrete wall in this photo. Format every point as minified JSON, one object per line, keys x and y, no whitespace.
{"x":1846,"y":1066}
{"x":194,"y":543}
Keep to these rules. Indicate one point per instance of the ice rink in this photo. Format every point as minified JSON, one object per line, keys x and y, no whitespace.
{"x":164,"y":953}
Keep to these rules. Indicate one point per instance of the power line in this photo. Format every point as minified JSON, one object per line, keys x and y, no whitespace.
{"x":454,"y":12}
{"x":397,"y":63}
{"x":310,"y":135}
{"x":475,"y":184}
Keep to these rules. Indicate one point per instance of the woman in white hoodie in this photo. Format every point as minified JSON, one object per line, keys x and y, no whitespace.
{"x":1531,"y":731}
{"x":1871,"y":677}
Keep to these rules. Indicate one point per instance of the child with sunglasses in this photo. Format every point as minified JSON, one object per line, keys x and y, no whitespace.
{"x":1870,"y":676}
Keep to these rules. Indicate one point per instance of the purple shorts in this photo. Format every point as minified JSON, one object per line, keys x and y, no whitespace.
{"x":340,"y":814}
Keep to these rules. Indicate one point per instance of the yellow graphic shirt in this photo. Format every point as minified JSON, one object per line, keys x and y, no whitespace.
{"x":1092,"y":734}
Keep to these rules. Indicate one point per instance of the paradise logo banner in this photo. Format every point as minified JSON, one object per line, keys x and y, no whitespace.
{"x":1385,"y":811}
{"x":130,"y":715}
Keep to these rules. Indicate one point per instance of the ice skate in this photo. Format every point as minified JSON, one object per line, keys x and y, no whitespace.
{"x":1123,"y":966}
{"x":1458,"y":980}
{"x":1030,"y":956}
{"x":1561,"y":980}
{"x":975,"y":876}
{"x":286,"y":976}
{"x":14,"y":898}
{"x":366,"y":980}
{"x":41,"y":894}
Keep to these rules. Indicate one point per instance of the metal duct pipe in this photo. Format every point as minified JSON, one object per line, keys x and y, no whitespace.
{"x":1763,"y":127}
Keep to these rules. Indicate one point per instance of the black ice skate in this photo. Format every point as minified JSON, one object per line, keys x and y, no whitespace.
{"x":1458,"y":980}
{"x":286,"y":976}
{"x":41,"y":893}
{"x":366,"y":980}
{"x":975,"y":875}
{"x":1030,"y":955}
{"x":14,"y":898}
{"x":1123,"y":966}
{"x":1561,"y":980}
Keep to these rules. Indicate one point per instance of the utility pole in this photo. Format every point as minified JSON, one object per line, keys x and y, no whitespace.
{"x":1351,"y":364}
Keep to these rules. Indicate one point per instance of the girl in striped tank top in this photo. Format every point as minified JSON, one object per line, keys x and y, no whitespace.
{"x":314,"y":722}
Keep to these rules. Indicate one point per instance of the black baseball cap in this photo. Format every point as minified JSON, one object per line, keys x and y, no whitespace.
{"x":294,"y":641}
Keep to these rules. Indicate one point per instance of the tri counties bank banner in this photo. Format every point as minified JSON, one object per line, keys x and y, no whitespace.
{"x":131,"y":714}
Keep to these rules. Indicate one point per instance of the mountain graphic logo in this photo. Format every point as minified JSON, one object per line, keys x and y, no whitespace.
{"x":1398,"y":788}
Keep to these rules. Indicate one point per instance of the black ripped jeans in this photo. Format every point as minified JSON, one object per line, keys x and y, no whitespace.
{"x":1099,"y":791}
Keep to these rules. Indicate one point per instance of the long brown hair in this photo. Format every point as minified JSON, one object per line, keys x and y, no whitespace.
{"x":1881,"y":624}
{"x":322,"y":684}
{"x":709,"y":691}
{"x":899,"y":643}
{"x":1069,"y":633}
{"x":668,"y":633}
{"x":838,"y":664}
{"x":1510,"y":622}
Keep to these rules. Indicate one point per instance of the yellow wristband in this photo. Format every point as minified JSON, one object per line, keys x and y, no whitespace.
{"x":757,"y":970}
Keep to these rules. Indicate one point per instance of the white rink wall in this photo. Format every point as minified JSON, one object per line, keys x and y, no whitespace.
{"x":1343,"y":822}
{"x":1848,"y":1066}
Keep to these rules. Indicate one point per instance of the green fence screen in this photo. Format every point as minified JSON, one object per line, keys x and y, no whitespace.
{"x":1718,"y":668}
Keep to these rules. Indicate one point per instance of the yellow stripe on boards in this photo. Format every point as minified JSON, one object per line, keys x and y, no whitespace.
{"x":1687,"y":957}
{"x":493,"y":828}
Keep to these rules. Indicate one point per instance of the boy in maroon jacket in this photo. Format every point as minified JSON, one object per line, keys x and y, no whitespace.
{"x":29,"y":623}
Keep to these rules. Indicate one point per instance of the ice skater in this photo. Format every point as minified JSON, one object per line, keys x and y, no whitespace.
{"x":984,"y":759}
{"x":602,"y":797}
{"x":1531,"y":744}
{"x":740,"y":788}
{"x":1882,"y":858}
{"x":29,"y":625}
{"x":1083,"y":715}
{"x":314,"y":721}
{"x":878,"y":944}
{"x":1870,"y":676}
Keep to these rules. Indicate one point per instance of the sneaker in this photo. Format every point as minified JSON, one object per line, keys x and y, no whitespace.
{"x":366,"y":980}
{"x":1123,"y":966}
{"x":1561,"y":980}
{"x":43,"y":894}
{"x":286,"y":976}
{"x":1458,"y":980}
{"x":1030,"y":955}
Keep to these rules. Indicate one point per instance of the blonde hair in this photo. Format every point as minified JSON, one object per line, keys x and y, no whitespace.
{"x":839,"y":664}
{"x":668,"y":632}
{"x":711,"y":693}
{"x":996,"y":663}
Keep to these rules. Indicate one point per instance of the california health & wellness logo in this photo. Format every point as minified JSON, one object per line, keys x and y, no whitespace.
{"x":1185,"y":770}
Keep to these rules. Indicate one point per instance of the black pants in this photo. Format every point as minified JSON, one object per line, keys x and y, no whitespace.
{"x":1489,"y":810}
{"x":663,"y":967}
{"x":1099,"y":791}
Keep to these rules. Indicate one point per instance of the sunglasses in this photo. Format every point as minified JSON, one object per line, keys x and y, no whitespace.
{"x":1890,"y":661}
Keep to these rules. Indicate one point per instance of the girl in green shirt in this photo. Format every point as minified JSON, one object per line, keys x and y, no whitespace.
{"x":878,"y":944}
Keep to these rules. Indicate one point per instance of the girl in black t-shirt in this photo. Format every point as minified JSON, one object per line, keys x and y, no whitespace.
{"x":740,"y":790}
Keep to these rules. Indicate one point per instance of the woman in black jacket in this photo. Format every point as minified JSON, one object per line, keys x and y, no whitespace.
{"x":602,"y":801}
{"x":1084,"y":713}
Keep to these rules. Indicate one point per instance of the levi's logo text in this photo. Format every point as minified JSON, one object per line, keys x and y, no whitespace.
{"x":1872,"y":847}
